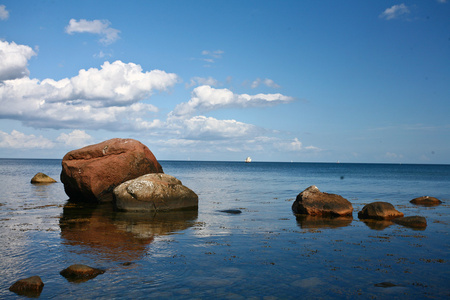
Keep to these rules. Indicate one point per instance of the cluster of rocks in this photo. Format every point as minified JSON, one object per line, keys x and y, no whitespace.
{"x":313,"y":202}
{"x":125,"y":172}
{"x":33,"y":286}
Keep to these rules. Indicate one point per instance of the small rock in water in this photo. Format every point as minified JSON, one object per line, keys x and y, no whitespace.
{"x":426,"y":201}
{"x":413,"y":222}
{"x":231,"y":211}
{"x":30,"y":287}
{"x":385,"y":284}
{"x":42,"y":178}
{"x":80,"y":273}
{"x":379,"y":210}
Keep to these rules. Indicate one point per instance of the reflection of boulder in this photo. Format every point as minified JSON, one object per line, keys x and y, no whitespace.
{"x":119,"y":236}
{"x":377,"y":224}
{"x":305,"y":221}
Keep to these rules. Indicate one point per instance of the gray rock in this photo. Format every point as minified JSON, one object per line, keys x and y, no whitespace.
{"x":154,"y":192}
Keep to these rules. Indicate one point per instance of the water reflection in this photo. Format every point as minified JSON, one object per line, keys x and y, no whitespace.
{"x":316,"y":222}
{"x":120,"y":236}
{"x":377,"y":224}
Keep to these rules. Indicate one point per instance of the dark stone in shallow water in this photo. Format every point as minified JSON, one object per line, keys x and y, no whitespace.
{"x":413,"y":222}
{"x":231,"y":211}
{"x":80,"y":273}
{"x":385,"y":284}
{"x":426,"y":201}
{"x":30,"y":287}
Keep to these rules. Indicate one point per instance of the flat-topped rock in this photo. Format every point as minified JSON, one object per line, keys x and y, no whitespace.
{"x":154,"y":192}
{"x":91,"y":173}
{"x":315,"y":203}
{"x":78,"y":272}
{"x":412,"y":221}
{"x":426,"y":201}
{"x":379,"y":210}
{"x":42,"y":178}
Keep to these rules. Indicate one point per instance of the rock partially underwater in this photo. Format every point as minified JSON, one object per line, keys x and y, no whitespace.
{"x":315,"y":203}
{"x":30,"y":287}
{"x":154,"y":192}
{"x":42,"y":178}
{"x":379,"y":211}
{"x":91,"y":173}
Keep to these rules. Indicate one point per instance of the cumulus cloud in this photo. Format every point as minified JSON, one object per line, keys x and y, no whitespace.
{"x":107,"y":98}
{"x":19,"y":140}
{"x":267,"y":82}
{"x":76,"y":139}
{"x":14,"y":60}
{"x":205,"y":98}
{"x":100,"y":27}
{"x":395,"y":12}
{"x":4,"y":14}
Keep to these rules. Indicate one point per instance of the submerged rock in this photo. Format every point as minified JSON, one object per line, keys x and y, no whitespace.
{"x":426,"y":201}
{"x":42,"y":178}
{"x":31,"y":287}
{"x":91,"y":173}
{"x":79,"y":273}
{"x":231,"y":211}
{"x":413,"y":222}
{"x":154,"y":192}
{"x":315,"y":203}
{"x":379,"y":210}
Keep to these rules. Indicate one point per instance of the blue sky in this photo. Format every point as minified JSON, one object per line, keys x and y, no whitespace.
{"x":322,"y":81}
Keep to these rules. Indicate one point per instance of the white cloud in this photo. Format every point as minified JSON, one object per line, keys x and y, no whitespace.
{"x":100,"y":27}
{"x":76,"y":139}
{"x":4,"y":14}
{"x":202,"y":81}
{"x":267,"y":82}
{"x":19,"y":140}
{"x":96,"y":98}
{"x":13,"y":60}
{"x":394,"y":12}
{"x":206,"y":98}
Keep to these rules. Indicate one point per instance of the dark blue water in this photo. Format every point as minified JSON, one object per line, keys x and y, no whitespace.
{"x":265,"y":252}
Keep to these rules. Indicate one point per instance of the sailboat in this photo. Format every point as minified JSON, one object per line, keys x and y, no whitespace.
{"x":248,"y":159}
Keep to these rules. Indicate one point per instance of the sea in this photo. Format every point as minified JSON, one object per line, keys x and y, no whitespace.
{"x":263,"y":252}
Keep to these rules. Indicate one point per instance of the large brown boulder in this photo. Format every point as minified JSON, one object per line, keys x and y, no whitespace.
{"x":91,"y":173}
{"x":379,"y":210}
{"x":154,"y":192}
{"x":31,"y":287}
{"x":315,"y":203}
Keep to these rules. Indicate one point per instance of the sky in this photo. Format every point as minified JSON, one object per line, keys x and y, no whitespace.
{"x":302,"y":81}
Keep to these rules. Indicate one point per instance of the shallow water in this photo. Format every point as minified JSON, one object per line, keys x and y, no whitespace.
{"x":264,"y":252}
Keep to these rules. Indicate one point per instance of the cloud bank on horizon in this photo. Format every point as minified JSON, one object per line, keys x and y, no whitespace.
{"x":215,"y":119}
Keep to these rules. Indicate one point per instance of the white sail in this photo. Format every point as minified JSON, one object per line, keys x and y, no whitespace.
{"x":248,"y":159}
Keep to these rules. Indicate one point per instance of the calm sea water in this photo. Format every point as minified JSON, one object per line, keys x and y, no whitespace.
{"x":263,"y":253}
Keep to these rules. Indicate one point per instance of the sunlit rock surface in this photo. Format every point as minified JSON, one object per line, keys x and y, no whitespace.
{"x":91,"y":173}
{"x":154,"y":192}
